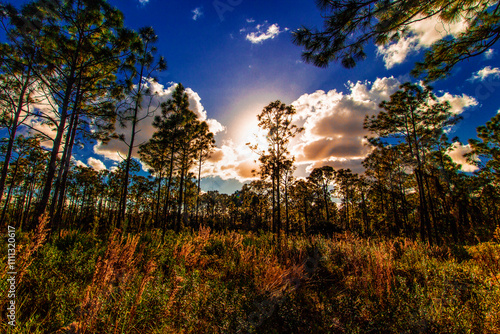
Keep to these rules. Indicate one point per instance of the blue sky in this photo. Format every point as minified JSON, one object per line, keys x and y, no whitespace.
{"x":237,"y":56}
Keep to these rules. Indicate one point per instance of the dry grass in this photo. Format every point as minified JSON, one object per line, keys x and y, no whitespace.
{"x":35,"y":240}
{"x":150,"y":268}
{"x":114,"y":274}
{"x":369,"y":265}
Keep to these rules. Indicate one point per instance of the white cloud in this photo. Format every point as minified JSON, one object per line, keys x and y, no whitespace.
{"x":333,"y":122}
{"x":116,"y":150}
{"x":485,"y":72}
{"x":196,"y":106}
{"x":422,"y":34}
{"x":143,"y":2}
{"x":458,"y":102}
{"x":78,"y":162}
{"x":214,"y":126}
{"x":42,"y":118}
{"x":197,"y":13}
{"x":333,"y":135}
{"x":489,"y":53}
{"x":264,"y":32}
{"x":97,"y":164}
{"x":113,"y":150}
{"x":457,"y":153}
{"x":396,"y":53}
{"x":250,"y":20}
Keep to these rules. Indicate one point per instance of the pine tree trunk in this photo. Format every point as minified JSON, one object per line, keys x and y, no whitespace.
{"x":198,"y":190}
{"x":179,"y":201}
{"x":157,"y":213}
{"x":12,"y":137}
{"x":166,"y":209}
{"x":64,"y":161}
{"x":64,"y":181}
{"x":51,"y":171}
{"x":7,"y":200}
{"x":123,"y":202}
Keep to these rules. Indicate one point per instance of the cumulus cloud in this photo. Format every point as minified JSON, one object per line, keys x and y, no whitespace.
{"x":333,"y":131}
{"x":396,"y":53}
{"x":232,"y":161}
{"x":197,"y":13}
{"x":39,"y":126}
{"x":355,"y":165}
{"x":112,"y":151}
{"x":216,"y":156}
{"x":333,"y":123}
{"x":264,"y":32}
{"x":42,"y":118}
{"x":143,"y":2}
{"x":326,"y":148}
{"x":97,"y":164}
{"x":457,"y":153}
{"x":116,"y":150}
{"x":422,"y":34}
{"x":214,"y":126}
{"x":485,"y":73}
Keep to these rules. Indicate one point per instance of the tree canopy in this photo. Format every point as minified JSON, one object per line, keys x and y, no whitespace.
{"x":350,"y":25}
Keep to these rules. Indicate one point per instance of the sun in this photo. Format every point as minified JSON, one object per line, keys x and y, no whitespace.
{"x":248,"y":131}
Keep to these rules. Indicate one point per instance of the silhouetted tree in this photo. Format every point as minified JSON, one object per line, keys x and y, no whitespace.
{"x":351,"y":24}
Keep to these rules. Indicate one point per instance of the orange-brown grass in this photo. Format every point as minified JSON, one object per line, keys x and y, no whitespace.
{"x":487,"y":256}
{"x":114,"y":277}
{"x":25,"y":252}
{"x":369,"y":265}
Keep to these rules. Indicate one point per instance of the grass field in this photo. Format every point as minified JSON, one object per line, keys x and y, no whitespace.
{"x":203,"y":282}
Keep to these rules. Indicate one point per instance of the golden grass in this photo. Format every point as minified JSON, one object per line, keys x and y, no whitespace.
{"x":114,"y":273}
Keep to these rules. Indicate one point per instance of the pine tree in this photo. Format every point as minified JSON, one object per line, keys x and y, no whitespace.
{"x":139,"y":103}
{"x":77,"y":50}
{"x":276,"y":118}
{"x":414,"y":120}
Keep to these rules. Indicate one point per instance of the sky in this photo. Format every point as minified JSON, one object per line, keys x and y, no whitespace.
{"x":237,"y":56}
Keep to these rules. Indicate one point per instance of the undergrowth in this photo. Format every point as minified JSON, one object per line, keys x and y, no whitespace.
{"x":206,"y":282}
